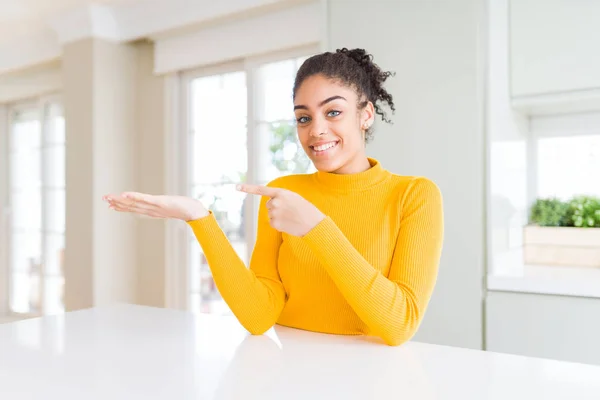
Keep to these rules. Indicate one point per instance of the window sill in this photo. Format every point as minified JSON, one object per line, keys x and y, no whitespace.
{"x":552,"y":280}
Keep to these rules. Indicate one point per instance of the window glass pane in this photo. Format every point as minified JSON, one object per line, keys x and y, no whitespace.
{"x":26,"y":207}
{"x":37,"y":205}
{"x":280,"y":152}
{"x":56,"y":125}
{"x":55,"y":210}
{"x":54,"y":171}
{"x":197,"y":263}
{"x":277,"y":89}
{"x":219,"y":158}
{"x":54,"y":254}
{"x":227,"y":204}
{"x":202,"y":282}
{"x":26,"y":130}
{"x":218,"y":139}
{"x":26,"y":250}
{"x":569,"y":166}
{"x":25,"y":168}
{"x":234,"y":95}
{"x":219,"y":128}
{"x":204,"y":296}
{"x":24,"y":292}
{"x":285,"y":154}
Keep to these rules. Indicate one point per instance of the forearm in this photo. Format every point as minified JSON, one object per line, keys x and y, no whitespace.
{"x":390,"y":310}
{"x":391,"y":306}
{"x":255,"y":300}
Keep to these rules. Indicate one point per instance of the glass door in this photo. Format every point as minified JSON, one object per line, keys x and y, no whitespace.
{"x":37,"y":209}
{"x":241,"y":129}
{"x":218,"y":145}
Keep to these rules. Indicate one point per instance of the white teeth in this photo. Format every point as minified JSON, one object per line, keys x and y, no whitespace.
{"x":325,"y":146}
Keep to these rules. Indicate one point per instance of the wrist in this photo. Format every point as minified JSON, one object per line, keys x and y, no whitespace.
{"x":198,"y":212}
{"x":316,"y":221}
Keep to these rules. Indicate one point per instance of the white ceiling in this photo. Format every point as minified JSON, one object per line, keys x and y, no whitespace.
{"x":22,"y":17}
{"x":33,"y":32}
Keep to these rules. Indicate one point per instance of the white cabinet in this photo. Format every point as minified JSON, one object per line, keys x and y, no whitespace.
{"x":555,"y":327}
{"x":554,"y":58}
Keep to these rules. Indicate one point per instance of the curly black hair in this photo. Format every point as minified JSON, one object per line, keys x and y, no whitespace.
{"x":356,"y":69}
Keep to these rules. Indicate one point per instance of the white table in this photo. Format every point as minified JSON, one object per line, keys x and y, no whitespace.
{"x":132,"y":352}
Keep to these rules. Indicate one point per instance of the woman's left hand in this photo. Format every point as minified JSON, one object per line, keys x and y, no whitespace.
{"x":288,"y":211}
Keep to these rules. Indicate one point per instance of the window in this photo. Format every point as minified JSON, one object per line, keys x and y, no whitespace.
{"x":568,"y":166}
{"x":241,"y":129}
{"x":548,"y":157}
{"x":36,"y":201}
{"x":275,"y":121}
{"x":218,"y":160}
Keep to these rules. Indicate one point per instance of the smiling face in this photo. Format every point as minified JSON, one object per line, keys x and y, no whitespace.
{"x":331,"y":126}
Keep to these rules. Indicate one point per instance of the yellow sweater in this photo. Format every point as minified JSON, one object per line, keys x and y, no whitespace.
{"x":368,"y":268}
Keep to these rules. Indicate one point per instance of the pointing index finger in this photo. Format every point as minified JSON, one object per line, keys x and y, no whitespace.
{"x":259,"y":190}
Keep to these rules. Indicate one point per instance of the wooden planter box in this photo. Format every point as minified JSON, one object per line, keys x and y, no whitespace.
{"x":565,"y":246}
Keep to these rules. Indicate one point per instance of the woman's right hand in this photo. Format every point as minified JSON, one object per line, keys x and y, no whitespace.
{"x":161,"y":206}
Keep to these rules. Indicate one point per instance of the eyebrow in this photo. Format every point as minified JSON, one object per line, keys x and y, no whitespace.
{"x":321,"y":104}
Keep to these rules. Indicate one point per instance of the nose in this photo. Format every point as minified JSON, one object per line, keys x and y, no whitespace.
{"x":318,"y":127}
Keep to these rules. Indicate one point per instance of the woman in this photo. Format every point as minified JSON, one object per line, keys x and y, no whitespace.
{"x":351,"y":249}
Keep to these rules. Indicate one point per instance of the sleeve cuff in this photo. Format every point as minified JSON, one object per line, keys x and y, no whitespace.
{"x":206,"y":223}
{"x":325,"y":235}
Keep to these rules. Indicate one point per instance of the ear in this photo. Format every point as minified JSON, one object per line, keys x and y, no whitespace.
{"x":367,"y":116}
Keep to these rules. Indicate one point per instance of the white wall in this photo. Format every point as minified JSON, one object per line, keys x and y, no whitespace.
{"x":508,"y":133}
{"x":436,"y":52}
{"x":151,"y":178}
{"x":563,"y":328}
{"x":99,"y":96}
{"x":30,"y":82}
{"x":115,"y":158}
{"x":554,"y":46}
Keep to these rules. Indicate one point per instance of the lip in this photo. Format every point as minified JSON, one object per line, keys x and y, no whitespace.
{"x":312,"y":146}
{"x":324,"y":153}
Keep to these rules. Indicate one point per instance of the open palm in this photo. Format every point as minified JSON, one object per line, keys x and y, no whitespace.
{"x":157,"y":206}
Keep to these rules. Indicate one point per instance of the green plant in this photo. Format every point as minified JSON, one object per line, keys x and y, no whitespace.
{"x":584,"y":212}
{"x":580,"y":212}
{"x":549,"y":212}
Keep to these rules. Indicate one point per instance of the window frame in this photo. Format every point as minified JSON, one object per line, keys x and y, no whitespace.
{"x":554,"y":126}
{"x":41,"y":105}
{"x":178,"y":177}
{"x":564,"y":281}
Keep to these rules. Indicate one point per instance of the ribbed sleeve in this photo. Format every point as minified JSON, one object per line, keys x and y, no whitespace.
{"x":392,"y":307}
{"x":255,"y":295}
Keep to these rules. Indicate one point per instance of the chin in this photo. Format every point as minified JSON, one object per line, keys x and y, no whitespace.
{"x":329,"y":164}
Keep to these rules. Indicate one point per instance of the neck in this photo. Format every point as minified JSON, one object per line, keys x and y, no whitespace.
{"x":359,"y":164}
{"x":364,"y":177}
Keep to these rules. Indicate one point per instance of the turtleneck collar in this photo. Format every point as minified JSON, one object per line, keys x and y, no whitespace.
{"x":346,"y":183}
